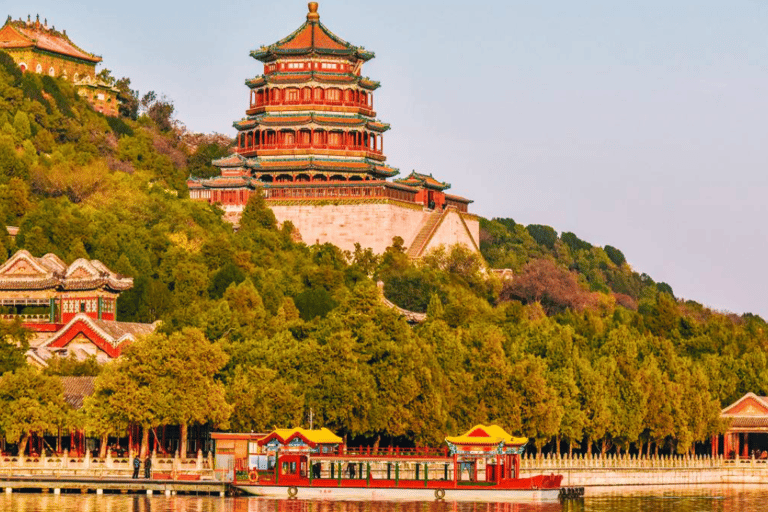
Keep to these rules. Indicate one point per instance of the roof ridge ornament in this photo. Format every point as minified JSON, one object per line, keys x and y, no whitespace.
{"x":312,"y":15}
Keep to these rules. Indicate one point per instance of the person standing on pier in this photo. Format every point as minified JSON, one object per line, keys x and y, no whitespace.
{"x":147,"y":465}
{"x":136,"y":466}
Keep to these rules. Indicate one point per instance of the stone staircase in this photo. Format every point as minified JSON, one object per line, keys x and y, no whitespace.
{"x":425,"y":233}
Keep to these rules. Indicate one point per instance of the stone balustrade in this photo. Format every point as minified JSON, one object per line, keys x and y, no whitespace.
{"x":586,"y":471}
{"x":613,"y":461}
{"x":163,"y":467}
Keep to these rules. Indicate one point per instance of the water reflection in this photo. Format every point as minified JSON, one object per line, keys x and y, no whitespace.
{"x":743,"y":498}
{"x":143,"y":503}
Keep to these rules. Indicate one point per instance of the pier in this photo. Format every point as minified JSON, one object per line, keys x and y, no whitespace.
{"x":72,"y":474}
{"x":85,"y":485}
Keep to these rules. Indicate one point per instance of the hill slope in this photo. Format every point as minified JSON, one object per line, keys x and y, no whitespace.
{"x":577,"y":347}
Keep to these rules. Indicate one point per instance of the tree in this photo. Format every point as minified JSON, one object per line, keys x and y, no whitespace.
{"x":257,"y":215}
{"x":544,"y":282}
{"x":14,"y":342}
{"x":616,"y":256}
{"x":544,"y":235}
{"x":261,"y":399}
{"x":188,"y":382}
{"x":71,"y":366}
{"x":31,"y":402}
{"x":21,"y":125}
{"x":574,"y":242}
{"x":161,"y":380}
{"x":200,"y":161}
{"x":105,"y":76}
{"x":129,"y":99}
{"x":159,"y":110}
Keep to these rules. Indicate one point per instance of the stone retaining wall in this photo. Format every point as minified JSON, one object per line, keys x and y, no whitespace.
{"x":633,"y":470}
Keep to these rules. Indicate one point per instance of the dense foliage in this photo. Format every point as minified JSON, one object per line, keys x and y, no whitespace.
{"x":577,"y":347}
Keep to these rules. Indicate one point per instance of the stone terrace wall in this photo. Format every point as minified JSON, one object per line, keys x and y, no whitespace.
{"x":371,"y":225}
{"x":456,"y":228}
{"x":677,"y":470}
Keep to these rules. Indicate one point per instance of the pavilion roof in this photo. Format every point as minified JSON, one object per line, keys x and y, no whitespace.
{"x":417,"y":179}
{"x":232,"y":160}
{"x":487,"y":435}
{"x":22,"y":271}
{"x":362,"y":165}
{"x":109,"y":336}
{"x":311,"y":437}
{"x":77,"y":389}
{"x":748,"y":406}
{"x":301,"y":77}
{"x":312,"y":37}
{"x":459,"y":199}
{"x":29,"y":34}
{"x":305,"y":118}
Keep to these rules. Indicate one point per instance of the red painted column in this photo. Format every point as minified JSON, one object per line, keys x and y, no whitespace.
{"x":745,"y":447}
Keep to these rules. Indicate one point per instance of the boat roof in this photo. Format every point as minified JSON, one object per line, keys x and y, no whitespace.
{"x":487,"y":434}
{"x":311,"y":437}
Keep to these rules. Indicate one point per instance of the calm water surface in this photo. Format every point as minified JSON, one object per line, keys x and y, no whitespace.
{"x":742,"y":498}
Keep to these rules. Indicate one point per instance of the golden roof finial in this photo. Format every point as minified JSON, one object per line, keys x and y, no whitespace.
{"x":313,"y":16}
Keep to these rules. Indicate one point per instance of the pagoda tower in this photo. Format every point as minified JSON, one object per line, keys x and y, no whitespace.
{"x":311,"y":143}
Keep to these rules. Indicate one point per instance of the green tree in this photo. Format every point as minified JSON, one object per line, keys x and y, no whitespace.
{"x":186,"y":379}
{"x":616,"y":256}
{"x":544,"y":235}
{"x":31,"y":402}
{"x":21,"y":125}
{"x":14,"y":343}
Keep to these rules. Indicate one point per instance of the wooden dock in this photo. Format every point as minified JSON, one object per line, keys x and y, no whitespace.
{"x":84,"y":485}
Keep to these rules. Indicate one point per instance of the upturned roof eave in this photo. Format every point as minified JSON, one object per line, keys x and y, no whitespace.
{"x":34,"y":43}
{"x":274,"y":51}
{"x":310,"y":75}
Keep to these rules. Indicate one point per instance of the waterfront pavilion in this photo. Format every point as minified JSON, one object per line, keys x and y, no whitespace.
{"x":747,"y":432}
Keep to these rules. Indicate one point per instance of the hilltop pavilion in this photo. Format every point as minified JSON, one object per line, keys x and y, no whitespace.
{"x":312,"y":145}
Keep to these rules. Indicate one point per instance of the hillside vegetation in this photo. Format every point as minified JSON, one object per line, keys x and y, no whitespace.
{"x":576,"y":348}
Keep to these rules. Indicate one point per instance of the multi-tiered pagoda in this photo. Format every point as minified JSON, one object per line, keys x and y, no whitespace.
{"x":312,"y":144}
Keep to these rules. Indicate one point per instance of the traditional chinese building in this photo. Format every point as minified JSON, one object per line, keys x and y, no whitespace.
{"x":41,"y":49}
{"x":490,"y":444}
{"x":311,"y":142}
{"x":72,"y":308}
{"x":747,"y":429}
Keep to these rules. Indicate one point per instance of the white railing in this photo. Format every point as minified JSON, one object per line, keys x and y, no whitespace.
{"x":169,"y":468}
{"x":37,"y":318}
{"x":564,"y":462}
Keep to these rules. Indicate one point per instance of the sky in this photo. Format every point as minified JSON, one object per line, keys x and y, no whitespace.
{"x":640,"y":125}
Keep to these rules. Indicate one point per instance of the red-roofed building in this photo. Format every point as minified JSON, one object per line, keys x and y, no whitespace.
{"x":41,"y":49}
{"x":747,"y":429}
{"x":311,"y":143}
{"x":72,"y":308}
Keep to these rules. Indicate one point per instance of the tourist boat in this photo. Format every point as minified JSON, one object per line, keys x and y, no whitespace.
{"x":481,"y":465}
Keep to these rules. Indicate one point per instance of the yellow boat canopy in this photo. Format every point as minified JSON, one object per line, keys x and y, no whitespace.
{"x":311,"y":437}
{"x":487,"y":435}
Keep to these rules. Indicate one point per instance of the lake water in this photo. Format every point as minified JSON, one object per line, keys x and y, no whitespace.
{"x":733,"y":498}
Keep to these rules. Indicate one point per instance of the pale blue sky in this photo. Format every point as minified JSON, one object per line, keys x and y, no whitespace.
{"x":636,"y":124}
